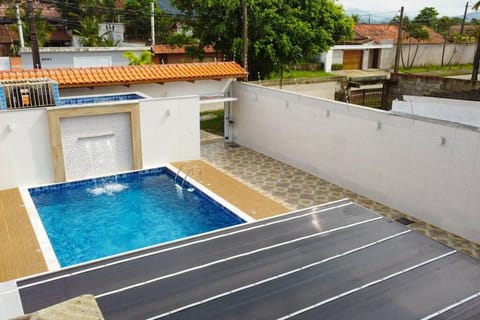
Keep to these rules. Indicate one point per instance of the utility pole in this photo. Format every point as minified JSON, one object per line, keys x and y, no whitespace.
{"x":20,"y":27}
{"x":476,"y":61}
{"x":245,"y":37}
{"x":464,"y":18}
{"x":399,"y":42}
{"x":152,"y":21}
{"x":33,"y":36}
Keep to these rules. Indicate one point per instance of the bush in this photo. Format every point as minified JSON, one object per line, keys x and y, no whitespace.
{"x":337,"y":66}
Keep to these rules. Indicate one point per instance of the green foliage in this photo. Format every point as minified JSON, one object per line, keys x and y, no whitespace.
{"x":476,"y":6}
{"x":74,"y":11}
{"x":143,"y":59}
{"x":415,"y":32}
{"x":138,"y":21}
{"x":428,"y":16}
{"x":337,"y":66}
{"x":89,"y":34}
{"x":42,"y":26}
{"x":298,"y":74}
{"x":280,"y":33}
{"x":355,"y":17}
{"x":215,"y":123}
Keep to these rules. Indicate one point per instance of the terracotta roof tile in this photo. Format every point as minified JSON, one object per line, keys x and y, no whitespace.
{"x":7,"y":35}
{"x":167,"y":49}
{"x":382,"y":32}
{"x":110,"y":76}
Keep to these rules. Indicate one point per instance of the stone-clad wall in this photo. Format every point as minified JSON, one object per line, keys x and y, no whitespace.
{"x":414,"y":85}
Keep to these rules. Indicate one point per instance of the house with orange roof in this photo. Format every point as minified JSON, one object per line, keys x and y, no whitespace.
{"x":79,"y":57}
{"x":164,"y":53}
{"x":150,"y":113}
{"x":374,"y":47}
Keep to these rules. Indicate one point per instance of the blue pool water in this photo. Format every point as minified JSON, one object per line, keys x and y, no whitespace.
{"x":99,"y":99}
{"x":91,"y":219}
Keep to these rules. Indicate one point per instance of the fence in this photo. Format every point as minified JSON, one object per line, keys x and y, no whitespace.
{"x":366,"y":97}
{"x":19,"y":94}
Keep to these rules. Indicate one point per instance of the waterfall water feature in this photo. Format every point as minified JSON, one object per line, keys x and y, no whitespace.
{"x":101,"y":157}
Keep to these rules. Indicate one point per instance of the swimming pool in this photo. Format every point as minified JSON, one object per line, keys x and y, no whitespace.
{"x":96,"y":218}
{"x":100,"y":99}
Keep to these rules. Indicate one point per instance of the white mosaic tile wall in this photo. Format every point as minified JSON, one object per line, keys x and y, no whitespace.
{"x":96,"y":145}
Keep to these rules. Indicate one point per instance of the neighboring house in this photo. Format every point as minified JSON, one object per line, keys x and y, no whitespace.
{"x":156,"y":81}
{"x":374,"y":46}
{"x":8,"y":38}
{"x":49,"y":11}
{"x":162,"y":126}
{"x":59,"y":38}
{"x":116,"y":30}
{"x":469,"y":32}
{"x":70,"y":57}
{"x":165,"y":53}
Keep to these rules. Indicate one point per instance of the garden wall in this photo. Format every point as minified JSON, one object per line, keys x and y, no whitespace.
{"x":430,"y":170}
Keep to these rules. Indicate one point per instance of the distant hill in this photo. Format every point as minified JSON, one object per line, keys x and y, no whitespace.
{"x":382,"y":17}
{"x":166,"y":6}
{"x":370,"y":16}
{"x":472,"y":15}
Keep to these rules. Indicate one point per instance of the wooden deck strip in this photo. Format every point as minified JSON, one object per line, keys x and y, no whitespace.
{"x":243,"y":197}
{"x":20,"y":253}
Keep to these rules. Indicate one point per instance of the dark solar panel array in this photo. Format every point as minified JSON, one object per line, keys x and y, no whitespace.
{"x":338,"y":261}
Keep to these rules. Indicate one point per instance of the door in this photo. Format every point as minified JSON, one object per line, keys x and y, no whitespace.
{"x":352,"y":59}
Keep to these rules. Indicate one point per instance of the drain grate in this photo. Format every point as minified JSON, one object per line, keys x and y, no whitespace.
{"x":404,"y":221}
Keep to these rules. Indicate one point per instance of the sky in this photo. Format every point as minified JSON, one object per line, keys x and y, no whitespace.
{"x":444,"y":7}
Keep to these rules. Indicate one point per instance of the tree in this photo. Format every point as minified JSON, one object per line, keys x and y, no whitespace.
{"x":137,"y":20}
{"x":43,"y":28}
{"x":89,"y":32}
{"x":476,"y":6}
{"x":74,"y":11}
{"x":415,"y":33}
{"x":280,"y":33}
{"x":428,"y":16}
{"x":143,"y":59}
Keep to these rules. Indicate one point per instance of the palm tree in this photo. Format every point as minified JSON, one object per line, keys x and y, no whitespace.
{"x":476,"y":6}
{"x":144,"y":58}
{"x":88,"y":32}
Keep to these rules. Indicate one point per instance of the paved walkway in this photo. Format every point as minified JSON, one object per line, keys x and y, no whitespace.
{"x":296,"y":189}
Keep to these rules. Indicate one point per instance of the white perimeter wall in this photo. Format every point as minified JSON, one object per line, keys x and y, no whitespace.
{"x":399,"y":162}
{"x":168,"y":89}
{"x":25,"y":153}
{"x":169,"y":131}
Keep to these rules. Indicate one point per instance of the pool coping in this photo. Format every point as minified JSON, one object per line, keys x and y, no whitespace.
{"x":40,"y":232}
{"x":44,"y":241}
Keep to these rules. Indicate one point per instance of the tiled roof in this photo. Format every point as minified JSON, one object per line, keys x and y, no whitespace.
{"x":60,"y":35}
{"x":49,"y":11}
{"x":7,"y":35}
{"x":167,"y":49}
{"x":126,"y":75}
{"x":382,"y":32}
